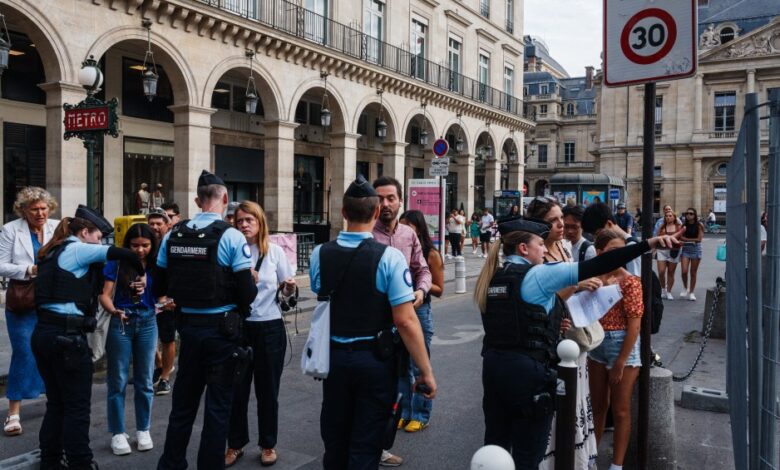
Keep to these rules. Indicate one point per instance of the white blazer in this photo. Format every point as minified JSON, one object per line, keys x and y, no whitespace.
{"x":16,"y":249}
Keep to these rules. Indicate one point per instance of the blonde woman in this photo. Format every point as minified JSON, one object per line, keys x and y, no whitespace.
{"x":265,"y":333}
{"x":667,"y":259}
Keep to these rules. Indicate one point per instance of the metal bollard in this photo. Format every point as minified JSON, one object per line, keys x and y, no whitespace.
{"x":460,"y":275}
{"x":566,"y":414}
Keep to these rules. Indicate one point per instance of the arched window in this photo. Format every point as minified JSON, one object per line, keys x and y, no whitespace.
{"x":570,"y":109}
{"x":726,"y":34}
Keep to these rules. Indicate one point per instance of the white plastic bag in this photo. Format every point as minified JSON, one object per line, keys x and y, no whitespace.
{"x":315,"y":357}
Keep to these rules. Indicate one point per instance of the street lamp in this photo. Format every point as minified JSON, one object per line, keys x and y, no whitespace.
{"x":487,"y":151}
{"x":424,"y":131}
{"x":250,"y":100}
{"x":325,"y":114}
{"x":381,"y":126}
{"x":90,"y":76}
{"x":459,"y":143}
{"x":149,"y":76}
{"x":5,"y":45}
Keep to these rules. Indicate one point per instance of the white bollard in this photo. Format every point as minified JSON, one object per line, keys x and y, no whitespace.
{"x":460,"y":275}
{"x":492,"y":458}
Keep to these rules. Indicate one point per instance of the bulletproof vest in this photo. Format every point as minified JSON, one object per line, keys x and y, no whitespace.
{"x":513,"y":324}
{"x":357,"y":308}
{"x":195,"y":278}
{"x":55,"y":285}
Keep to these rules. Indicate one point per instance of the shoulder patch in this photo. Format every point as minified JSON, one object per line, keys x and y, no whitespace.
{"x":247,"y":252}
{"x":408,"y":277}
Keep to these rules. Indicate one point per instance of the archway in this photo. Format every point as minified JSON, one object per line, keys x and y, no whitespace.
{"x":461,"y":177}
{"x":486,"y":170}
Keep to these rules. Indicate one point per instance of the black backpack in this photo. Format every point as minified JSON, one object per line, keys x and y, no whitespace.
{"x":656,"y":301}
{"x":583,"y":249}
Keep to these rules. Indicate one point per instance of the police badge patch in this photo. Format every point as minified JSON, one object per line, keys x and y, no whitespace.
{"x":408,"y":277}
{"x":247,"y":252}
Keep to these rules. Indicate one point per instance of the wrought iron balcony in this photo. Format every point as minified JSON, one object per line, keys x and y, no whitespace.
{"x":484,"y":8}
{"x":510,"y":27}
{"x":295,"y":20}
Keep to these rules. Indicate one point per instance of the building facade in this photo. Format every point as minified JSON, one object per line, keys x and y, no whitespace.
{"x":394,"y":76}
{"x":696,"y":119}
{"x":564,"y":110}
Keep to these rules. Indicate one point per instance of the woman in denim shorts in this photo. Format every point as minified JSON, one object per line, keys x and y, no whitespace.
{"x":691,"y":252}
{"x":614,"y":365}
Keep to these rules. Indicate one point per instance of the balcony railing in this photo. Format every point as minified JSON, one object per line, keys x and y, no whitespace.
{"x":723,"y":135}
{"x":290,"y":18}
{"x":510,"y":27}
{"x":573,"y":164}
{"x":560,"y":165}
{"x":484,"y":8}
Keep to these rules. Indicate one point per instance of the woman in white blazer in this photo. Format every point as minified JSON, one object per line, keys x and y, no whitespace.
{"x":19,"y":244}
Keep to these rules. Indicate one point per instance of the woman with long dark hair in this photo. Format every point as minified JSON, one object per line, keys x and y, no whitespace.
{"x":132,"y":333}
{"x":693,"y":232}
{"x":415,"y":408}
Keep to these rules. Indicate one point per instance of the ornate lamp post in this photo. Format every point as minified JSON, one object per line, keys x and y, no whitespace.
{"x":325,"y":114}
{"x":250,"y":100}
{"x":424,"y":130}
{"x":381,"y":126}
{"x":149,"y":75}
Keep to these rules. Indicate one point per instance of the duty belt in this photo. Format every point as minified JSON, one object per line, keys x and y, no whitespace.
{"x":68,"y":321}
{"x":202,"y":319}
{"x":361,"y":345}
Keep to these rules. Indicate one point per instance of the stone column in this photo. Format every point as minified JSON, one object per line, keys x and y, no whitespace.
{"x":465,"y":170}
{"x":278,"y":179}
{"x":492,"y":180}
{"x":751,"y":80}
{"x":394,"y":160}
{"x":343,"y":158}
{"x":66,"y":161}
{"x":697,"y":184}
{"x":191,"y":153}
{"x":113,"y":173}
{"x":516,"y":172}
{"x":698,"y":102}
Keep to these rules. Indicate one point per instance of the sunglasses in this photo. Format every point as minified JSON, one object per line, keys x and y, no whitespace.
{"x":690,"y":213}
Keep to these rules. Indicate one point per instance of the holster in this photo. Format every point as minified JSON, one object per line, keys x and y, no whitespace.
{"x":230,"y":326}
{"x":73,"y":349}
{"x":385,"y":344}
{"x":242,"y":357}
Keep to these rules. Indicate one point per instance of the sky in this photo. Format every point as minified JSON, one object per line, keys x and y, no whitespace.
{"x":571,"y":29}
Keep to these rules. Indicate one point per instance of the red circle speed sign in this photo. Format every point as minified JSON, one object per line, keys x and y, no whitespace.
{"x":663,"y":34}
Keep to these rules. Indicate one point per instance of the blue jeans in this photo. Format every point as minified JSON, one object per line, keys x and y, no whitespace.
{"x":415,"y":405}
{"x":137,"y":337}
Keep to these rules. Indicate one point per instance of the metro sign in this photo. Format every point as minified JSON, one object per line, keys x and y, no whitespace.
{"x":648,"y":41}
{"x":87,"y":119}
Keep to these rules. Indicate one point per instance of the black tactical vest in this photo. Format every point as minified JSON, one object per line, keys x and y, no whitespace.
{"x":55,"y":285}
{"x":195,"y":278}
{"x":514,"y":324}
{"x":357,"y":308}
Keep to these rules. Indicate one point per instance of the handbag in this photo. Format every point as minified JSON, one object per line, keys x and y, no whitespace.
{"x":588,"y":337}
{"x":720,"y":255}
{"x":20,"y":296}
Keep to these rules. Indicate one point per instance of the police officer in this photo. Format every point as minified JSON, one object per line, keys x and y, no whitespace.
{"x":204,"y":266}
{"x":66,"y":288}
{"x":370,"y":289}
{"x":523,"y":318}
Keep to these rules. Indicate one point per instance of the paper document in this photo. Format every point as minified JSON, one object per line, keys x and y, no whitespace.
{"x":586,"y":307}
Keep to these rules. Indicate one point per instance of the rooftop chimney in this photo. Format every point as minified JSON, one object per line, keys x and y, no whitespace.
{"x":589,"y":77}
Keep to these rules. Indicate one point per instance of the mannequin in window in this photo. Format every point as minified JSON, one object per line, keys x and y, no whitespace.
{"x":142,"y":199}
{"x":158,"y":197}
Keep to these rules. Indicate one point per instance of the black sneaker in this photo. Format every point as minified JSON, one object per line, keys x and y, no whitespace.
{"x":156,"y":375}
{"x":163,"y":387}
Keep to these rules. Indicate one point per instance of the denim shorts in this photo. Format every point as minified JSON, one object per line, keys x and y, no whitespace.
{"x":609,"y":349}
{"x":691,"y":250}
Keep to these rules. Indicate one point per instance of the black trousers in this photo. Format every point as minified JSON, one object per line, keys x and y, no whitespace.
{"x":510,"y":381}
{"x":67,"y":373}
{"x":268,"y":340}
{"x":455,"y":244}
{"x":358,"y":396}
{"x":205,"y":362}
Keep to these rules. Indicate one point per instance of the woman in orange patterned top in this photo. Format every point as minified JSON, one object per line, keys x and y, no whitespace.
{"x":614,"y":365}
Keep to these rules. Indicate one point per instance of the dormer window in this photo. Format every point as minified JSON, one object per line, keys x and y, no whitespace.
{"x":570,"y":109}
{"x":726,"y":34}
{"x":544,"y":90}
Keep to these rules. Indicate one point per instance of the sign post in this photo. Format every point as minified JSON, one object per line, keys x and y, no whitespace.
{"x":440,"y":168}
{"x":645,"y":43}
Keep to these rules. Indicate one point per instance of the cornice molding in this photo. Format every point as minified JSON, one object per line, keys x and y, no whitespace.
{"x":458,"y":18}
{"x":511,"y":50}
{"x":485,"y":34}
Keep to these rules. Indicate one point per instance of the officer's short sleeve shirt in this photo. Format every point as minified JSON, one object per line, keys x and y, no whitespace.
{"x":544,"y":280}
{"x":76,"y":258}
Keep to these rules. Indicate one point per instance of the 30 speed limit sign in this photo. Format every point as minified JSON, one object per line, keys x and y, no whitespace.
{"x":648,"y":41}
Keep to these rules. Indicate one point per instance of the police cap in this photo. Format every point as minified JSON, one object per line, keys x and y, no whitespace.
{"x":360,"y":188}
{"x":84,"y":212}
{"x":207,"y":178}
{"x":523,"y":224}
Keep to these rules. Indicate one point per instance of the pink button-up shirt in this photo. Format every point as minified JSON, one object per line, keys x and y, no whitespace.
{"x":405,"y":239}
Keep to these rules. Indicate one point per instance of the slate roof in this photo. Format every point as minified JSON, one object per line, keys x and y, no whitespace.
{"x":574,"y":89}
{"x":747,"y":14}
{"x":534,"y":47}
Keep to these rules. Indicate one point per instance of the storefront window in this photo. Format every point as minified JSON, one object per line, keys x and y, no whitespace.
{"x":24,"y":162}
{"x":150,"y":163}
{"x":309,"y":190}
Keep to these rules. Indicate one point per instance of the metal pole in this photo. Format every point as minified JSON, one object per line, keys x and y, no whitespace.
{"x":442,"y":218}
{"x":772,"y":288}
{"x":89,"y":144}
{"x":648,"y":165}
{"x":753,"y":222}
{"x":566,"y":412}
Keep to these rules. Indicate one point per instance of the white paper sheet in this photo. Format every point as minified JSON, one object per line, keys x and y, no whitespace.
{"x":586,"y":307}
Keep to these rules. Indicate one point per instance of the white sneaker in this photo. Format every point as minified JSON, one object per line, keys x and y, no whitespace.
{"x":448,"y":256}
{"x":669,"y":296}
{"x":684,"y":294}
{"x":144,"y":440}
{"x":691,"y":296}
{"x":663,"y":293}
{"x":474,"y":251}
{"x":119,"y":444}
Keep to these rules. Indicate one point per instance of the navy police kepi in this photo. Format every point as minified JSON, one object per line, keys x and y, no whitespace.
{"x":84,"y":212}
{"x":207,"y":178}
{"x":360,"y":188}
{"x":523,"y":224}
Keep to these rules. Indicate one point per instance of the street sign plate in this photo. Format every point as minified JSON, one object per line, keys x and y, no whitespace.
{"x":614,"y":194}
{"x":440,"y":167}
{"x":440,"y":147}
{"x":87,"y":119}
{"x":646,"y":42}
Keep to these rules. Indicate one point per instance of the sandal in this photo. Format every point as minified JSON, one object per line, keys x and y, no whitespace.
{"x":13,"y":427}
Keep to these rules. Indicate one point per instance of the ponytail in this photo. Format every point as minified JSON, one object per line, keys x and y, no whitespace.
{"x":68,"y":226}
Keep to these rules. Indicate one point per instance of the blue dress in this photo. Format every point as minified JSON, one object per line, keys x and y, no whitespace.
{"x":24,"y":381}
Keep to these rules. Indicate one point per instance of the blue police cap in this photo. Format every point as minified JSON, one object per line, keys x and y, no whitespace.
{"x":523,"y":224}
{"x":360,"y":188}
{"x":84,"y":212}
{"x":207,"y":178}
